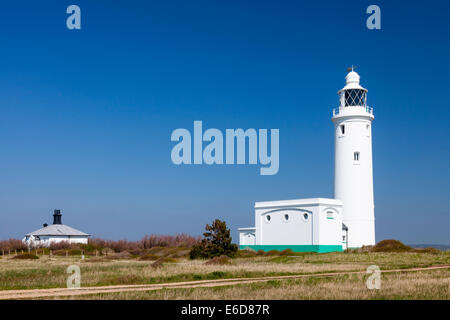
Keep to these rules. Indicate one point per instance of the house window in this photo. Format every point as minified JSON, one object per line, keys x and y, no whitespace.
{"x":268,"y":218}
{"x":342,"y":128}
{"x":286,"y":217}
{"x":356,"y":156}
{"x":305,"y":216}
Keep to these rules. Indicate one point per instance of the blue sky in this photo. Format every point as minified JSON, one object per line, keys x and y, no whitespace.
{"x":86,"y":115}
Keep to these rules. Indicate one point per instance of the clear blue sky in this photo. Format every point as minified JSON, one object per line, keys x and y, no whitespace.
{"x":86,"y":116}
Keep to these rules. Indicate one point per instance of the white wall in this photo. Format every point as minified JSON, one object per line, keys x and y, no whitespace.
{"x":353,"y":180}
{"x":313,"y":229}
{"x":47,"y":240}
{"x":297,"y":230}
{"x":247,"y":236}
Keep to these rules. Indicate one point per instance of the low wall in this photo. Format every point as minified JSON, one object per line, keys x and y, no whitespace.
{"x":295,"y":248}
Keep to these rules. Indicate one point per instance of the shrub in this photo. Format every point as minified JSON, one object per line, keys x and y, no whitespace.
{"x":12,"y":245}
{"x":391,"y":246}
{"x":216,"y":242}
{"x":148,"y":257}
{"x":246,"y":253}
{"x":179,"y":240}
{"x":26,"y":256}
{"x":287,"y":252}
{"x":62,"y":245}
{"x":427,"y":250}
{"x":272,"y":253}
{"x":217,"y":275}
{"x":136,"y":248}
{"x":197,"y":251}
{"x":119,"y":255}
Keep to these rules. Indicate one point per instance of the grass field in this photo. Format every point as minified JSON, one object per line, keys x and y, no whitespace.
{"x":50,"y":272}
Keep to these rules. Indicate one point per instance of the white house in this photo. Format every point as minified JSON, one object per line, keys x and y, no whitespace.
{"x":56,"y":232}
{"x":320,"y":224}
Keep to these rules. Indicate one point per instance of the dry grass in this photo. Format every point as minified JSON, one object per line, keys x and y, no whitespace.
{"x":49,"y":272}
{"x":433,"y":284}
{"x":222,"y":260}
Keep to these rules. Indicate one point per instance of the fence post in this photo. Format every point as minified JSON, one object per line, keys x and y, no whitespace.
{"x":67,"y":253}
{"x":9,"y":252}
{"x":15,"y":252}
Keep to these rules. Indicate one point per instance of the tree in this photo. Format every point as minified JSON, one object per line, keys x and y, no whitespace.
{"x":216,"y":242}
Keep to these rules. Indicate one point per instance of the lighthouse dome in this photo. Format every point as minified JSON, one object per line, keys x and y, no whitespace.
{"x":352,"y":77}
{"x":352,"y":82}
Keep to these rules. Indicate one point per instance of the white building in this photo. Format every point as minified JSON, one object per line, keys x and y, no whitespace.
{"x":353,"y":181}
{"x":56,"y":232}
{"x":326,"y":225}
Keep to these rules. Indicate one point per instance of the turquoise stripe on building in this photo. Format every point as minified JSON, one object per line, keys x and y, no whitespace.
{"x":295,"y":248}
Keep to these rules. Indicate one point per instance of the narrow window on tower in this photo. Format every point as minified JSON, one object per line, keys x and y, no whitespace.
{"x":356,"y":156}
{"x":342,"y":129}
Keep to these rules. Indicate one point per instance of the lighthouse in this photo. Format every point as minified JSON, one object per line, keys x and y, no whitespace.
{"x":353,"y":178}
{"x":323,"y":224}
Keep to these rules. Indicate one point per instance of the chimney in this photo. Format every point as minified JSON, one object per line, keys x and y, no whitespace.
{"x":45,"y":225}
{"x":57,"y":216}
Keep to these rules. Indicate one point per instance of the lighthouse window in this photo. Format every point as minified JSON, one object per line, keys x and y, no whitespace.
{"x":355,"y":97}
{"x":268,"y":218}
{"x":286,"y":217}
{"x":356,"y":156}
{"x":305,"y":216}
{"x":342,"y":129}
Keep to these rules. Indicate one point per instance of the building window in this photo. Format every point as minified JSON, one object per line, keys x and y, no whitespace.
{"x":355,"y":97}
{"x":330,"y":215}
{"x":268,"y":218}
{"x":286,"y":217}
{"x":342,"y":128}
{"x":305,"y":216}
{"x":356,"y":156}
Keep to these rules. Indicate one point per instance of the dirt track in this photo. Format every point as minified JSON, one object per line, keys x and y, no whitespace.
{"x":59,"y":292}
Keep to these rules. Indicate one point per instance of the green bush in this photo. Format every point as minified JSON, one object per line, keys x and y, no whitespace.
{"x":246,"y":253}
{"x":216,"y":242}
{"x":26,"y":256}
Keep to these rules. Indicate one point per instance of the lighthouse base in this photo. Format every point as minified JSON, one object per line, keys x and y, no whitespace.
{"x":360,"y":233}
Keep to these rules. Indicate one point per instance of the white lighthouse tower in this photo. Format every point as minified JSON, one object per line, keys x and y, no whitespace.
{"x":353,"y":180}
